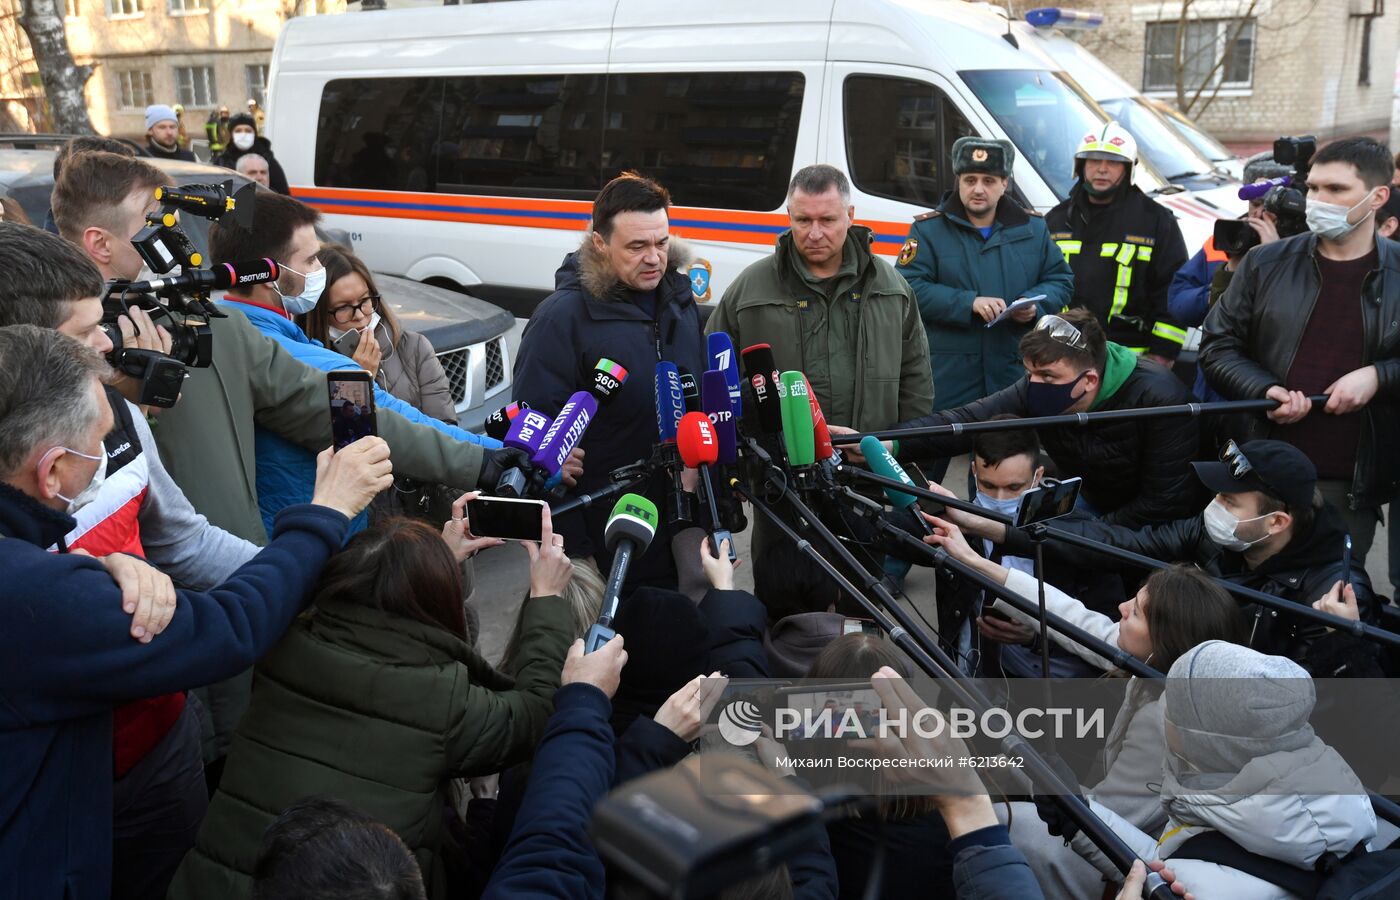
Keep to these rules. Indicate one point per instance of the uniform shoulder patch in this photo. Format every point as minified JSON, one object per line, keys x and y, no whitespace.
{"x":931,"y":214}
{"x":1031,"y":212}
{"x":908,"y":252}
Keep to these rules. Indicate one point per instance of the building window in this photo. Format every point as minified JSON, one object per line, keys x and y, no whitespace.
{"x":123,"y":9}
{"x":187,"y":7}
{"x":134,"y":89}
{"x":1208,"y":57}
{"x":899,"y":138}
{"x":194,"y":85}
{"x":256,"y":79}
{"x":70,"y":9}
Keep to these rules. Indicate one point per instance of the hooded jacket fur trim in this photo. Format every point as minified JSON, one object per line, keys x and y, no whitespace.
{"x":602,"y":283}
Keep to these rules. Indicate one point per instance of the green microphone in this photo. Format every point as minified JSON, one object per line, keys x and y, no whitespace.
{"x":629,"y":531}
{"x":796,"y":409}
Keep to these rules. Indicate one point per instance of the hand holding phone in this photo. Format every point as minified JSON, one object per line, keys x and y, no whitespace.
{"x":351,"y":395}
{"x":508,"y":518}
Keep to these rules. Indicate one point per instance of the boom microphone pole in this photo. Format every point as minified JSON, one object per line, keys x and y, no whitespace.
{"x":936,"y":663}
{"x":1083,"y":418}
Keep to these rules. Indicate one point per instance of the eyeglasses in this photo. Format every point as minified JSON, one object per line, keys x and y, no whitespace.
{"x":1062,"y":331}
{"x":344,"y":315}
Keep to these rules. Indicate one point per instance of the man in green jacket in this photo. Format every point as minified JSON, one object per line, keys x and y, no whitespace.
{"x":833,"y":310}
{"x":972,"y":259}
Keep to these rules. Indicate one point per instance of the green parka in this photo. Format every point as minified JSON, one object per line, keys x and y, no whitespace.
{"x":379,"y":711}
{"x":856,"y":336}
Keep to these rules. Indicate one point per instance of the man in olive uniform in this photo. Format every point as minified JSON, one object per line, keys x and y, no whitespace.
{"x":970,"y":261}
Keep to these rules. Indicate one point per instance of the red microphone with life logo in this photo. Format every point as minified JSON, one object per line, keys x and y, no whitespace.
{"x":699,"y":448}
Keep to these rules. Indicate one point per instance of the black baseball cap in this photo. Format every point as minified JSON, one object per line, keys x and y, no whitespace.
{"x":1271,"y":467}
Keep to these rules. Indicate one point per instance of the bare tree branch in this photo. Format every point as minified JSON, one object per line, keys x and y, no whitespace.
{"x":42,"y":21}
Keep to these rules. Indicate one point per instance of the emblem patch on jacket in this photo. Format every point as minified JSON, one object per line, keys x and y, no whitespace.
{"x":908,"y":251}
{"x":700,"y":280}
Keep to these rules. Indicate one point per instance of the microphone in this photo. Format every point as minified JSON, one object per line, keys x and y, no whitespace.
{"x":723,"y":359}
{"x":798,"y":432}
{"x":699,"y":448}
{"x":526,"y":432}
{"x":882,"y":462}
{"x":565,"y":432}
{"x":821,"y":435}
{"x":629,"y":532}
{"x":715,"y":400}
{"x":1260,"y":188}
{"x":607,"y":379}
{"x":670,"y":400}
{"x":497,"y":425}
{"x":690,"y":391}
{"x":761,"y":372}
{"x":219,"y":277}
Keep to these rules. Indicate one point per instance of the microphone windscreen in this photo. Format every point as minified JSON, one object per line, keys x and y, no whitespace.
{"x":761,"y":372}
{"x":565,"y":432}
{"x":690,"y":390}
{"x":527,"y":431}
{"x":606,"y":380}
{"x":881,"y":462}
{"x":798,"y":434}
{"x":241,"y":274}
{"x":724,"y":359}
{"x":714,"y":397}
{"x":821,"y":435}
{"x":670,"y":400}
{"x":696,"y":440}
{"x":497,"y":425}
{"x":633,"y":516}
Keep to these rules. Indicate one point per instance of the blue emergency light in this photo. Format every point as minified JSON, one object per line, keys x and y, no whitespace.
{"x":1055,"y":17}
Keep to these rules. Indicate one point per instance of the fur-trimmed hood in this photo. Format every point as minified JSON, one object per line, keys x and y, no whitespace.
{"x":598,"y":279}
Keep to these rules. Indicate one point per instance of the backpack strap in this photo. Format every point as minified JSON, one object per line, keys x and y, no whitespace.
{"x":1215,"y":847}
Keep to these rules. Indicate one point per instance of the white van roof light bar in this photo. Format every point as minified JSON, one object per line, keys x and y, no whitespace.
{"x":1057,"y":17}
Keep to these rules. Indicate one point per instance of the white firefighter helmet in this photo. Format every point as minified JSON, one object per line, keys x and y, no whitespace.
{"x":1111,"y":142}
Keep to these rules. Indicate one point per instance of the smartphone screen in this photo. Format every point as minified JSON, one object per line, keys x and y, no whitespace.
{"x":352,"y":406}
{"x":505,"y":517}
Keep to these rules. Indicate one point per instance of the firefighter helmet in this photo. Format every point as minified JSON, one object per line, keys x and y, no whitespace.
{"x":1111,"y":142}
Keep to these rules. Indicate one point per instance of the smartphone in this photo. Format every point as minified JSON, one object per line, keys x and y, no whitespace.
{"x":860,"y":626}
{"x":1346,"y":562}
{"x":931,"y":507}
{"x":511,"y":518}
{"x":351,"y":394}
{"x":856,"y":702}
{"x":1048,"y":500}
{"x":347,"y":343}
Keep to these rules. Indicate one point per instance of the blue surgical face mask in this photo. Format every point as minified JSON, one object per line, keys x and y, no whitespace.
{"x":1007,"y":506}
{"x":305,"y":302}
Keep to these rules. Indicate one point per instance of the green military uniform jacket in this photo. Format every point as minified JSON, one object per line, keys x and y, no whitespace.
{"x":949,"y":264}
{"x":856,"y":336}
{"x":379,"y":711}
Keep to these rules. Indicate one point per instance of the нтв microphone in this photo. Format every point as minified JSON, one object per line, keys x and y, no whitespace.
{"x":565,"y":432}
{"x":715,"y":400}
{"x":606,"y":380}
{"x":798,"y":433}
{"x":670,"y":401}
{"x":628,"y":533}
{"x":761,"y":372}
{"x":699,"y":448}
{"x":724,"y":359}
{"x":497,"y":425}
{"x":220,"y":277}
{"x":821,"y":435}
{"x":526,"y":432}
{"x":882,"y":463}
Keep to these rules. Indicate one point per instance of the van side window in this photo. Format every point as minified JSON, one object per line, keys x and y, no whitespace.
{"x":526,"y":135}
{"x":714,"y":139}
{"x":899,"y":138}
{"x":378,"y":133}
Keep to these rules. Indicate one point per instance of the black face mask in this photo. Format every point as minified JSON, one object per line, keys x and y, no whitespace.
{"x":1043,"y":399}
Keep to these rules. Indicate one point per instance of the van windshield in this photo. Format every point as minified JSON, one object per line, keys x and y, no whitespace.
{"x":1163,"y":146}
{"x":1046,"y":116}
{"x":1206,"y":145}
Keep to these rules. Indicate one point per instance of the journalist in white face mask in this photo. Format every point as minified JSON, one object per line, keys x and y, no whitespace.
{"x":1341,"y":209}
{"x":1264,"y":498}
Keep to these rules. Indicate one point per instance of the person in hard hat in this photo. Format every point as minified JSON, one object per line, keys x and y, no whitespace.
{"x":216,"y":129}
{"x":184,"y":138}
{"x":1124,"y":247}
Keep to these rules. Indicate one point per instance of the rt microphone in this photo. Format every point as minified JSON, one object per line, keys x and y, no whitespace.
{"x":724,"y":359}
{"x":497,"y":425}
{"x":628,"y":533}
{"x":699,"y":449}
{"x":798,"y":432}
{"x":220,"y":277}
{"x":883,"y":463}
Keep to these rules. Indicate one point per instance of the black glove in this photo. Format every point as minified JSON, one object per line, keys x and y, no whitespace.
{"x":496,"y":463}
{"x":1050,"y":812}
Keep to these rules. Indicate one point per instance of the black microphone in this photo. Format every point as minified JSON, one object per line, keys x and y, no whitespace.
{"x":219,"y":277}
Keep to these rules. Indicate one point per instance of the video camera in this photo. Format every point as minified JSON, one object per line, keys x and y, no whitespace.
{"x":181,"y":303}
{"x":1285,"y":197}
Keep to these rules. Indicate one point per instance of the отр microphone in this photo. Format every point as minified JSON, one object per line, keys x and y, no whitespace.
{"x":628,"y":533}
{"x":715,"y":400}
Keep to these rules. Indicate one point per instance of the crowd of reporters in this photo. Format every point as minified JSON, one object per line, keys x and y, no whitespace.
{"x":242,"y":665}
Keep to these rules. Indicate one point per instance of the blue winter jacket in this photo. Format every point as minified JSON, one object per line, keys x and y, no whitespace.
{"x":949,"y":264}
{"x":1188,"y":300}
{"x":987,"y":867}
{"x":287,"y":471}
{"x":69,"y":660}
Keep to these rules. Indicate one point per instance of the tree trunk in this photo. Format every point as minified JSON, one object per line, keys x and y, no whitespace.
{"x":42,"y":21}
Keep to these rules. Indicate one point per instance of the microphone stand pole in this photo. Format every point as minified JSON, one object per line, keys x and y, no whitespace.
{"x":938,"y":664}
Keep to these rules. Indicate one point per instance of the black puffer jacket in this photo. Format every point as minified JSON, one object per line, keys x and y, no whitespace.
{"x":1302,"y":572}
{"x":1135,"y":472}
{"x":1252,"y":334}
{"x":228,"y":157}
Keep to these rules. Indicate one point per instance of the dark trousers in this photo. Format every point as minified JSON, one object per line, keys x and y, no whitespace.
{"x":157,"y":808}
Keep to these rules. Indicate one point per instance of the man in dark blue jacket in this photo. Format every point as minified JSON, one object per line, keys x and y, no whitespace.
{"x":70,"y":657}
{"x":617,"y":297}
